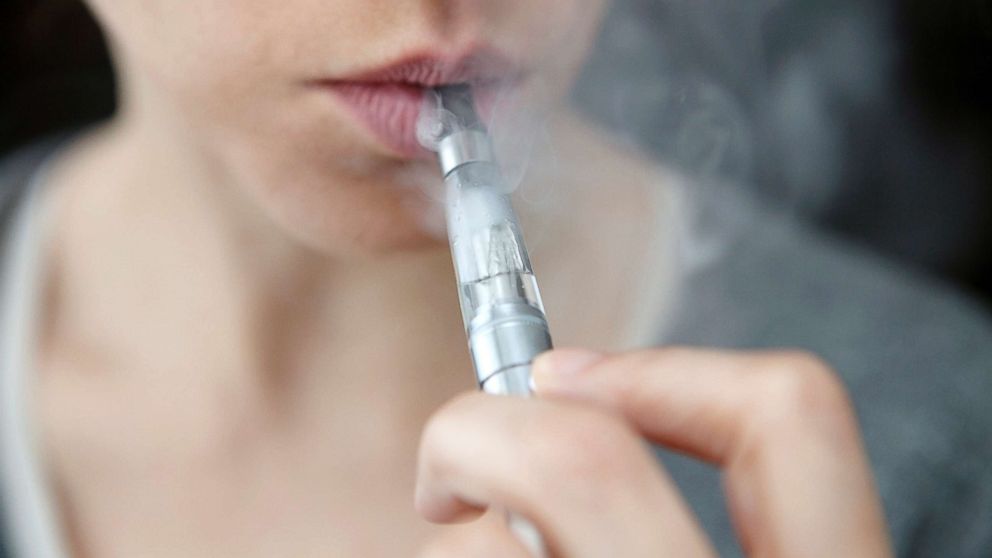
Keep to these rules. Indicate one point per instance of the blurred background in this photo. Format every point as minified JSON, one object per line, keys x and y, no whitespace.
{"x":871,"y":119}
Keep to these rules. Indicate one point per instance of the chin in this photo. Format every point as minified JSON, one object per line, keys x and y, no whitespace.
{"x":331,"y":192}
{"x":375,"y":219}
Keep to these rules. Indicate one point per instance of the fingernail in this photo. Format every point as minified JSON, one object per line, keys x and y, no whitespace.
{"x":556,"y":368}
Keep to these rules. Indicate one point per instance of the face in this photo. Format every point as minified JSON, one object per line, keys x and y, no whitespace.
{"x":309,"y":105}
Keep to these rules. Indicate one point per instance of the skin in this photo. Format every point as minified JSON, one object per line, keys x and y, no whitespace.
{"x":778,"y":424}
{"x":249,"y":319}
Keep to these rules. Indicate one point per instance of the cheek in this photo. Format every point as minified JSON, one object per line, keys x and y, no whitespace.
{"x":231,"y":72}
{"x":206,"y":55}
{"x":554,"y":34}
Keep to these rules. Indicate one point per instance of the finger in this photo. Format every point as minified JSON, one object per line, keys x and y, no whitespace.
{"x":587,"y":481}
{"x":487,"y":537}
{"x":780,"y":425}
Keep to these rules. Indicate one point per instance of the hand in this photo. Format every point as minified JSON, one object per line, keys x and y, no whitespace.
{"x":574,"y":461}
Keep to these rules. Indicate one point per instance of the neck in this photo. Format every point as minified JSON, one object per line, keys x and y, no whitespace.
{"x":192,"y":281}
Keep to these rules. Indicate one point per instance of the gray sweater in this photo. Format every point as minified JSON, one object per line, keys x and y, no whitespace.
{"x":916,"y":357}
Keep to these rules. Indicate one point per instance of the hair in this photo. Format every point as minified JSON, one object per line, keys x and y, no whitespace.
{"x":948,"y":61}
{"x":56,"y":68}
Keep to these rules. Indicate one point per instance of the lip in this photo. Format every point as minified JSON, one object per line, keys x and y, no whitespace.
{"x":387,"y":100}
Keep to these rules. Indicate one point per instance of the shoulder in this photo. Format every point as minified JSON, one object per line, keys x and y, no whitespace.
{"x":916,"y":355}
{"x":779,"y":283}
{"x":784,"y":281}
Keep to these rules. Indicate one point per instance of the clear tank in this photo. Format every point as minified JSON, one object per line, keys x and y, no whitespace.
{"x":490,"y":258}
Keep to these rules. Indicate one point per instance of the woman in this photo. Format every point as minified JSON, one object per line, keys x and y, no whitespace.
{"x":245,"y":320}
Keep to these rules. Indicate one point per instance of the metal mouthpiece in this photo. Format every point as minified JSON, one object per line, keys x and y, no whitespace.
{"x":458,"y":100}
{"x":464,"y":139}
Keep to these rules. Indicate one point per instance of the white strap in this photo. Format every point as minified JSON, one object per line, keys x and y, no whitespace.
{"x":31,"y":522}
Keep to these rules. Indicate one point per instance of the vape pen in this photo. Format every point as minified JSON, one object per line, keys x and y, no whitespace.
{"x":504,"y":317}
